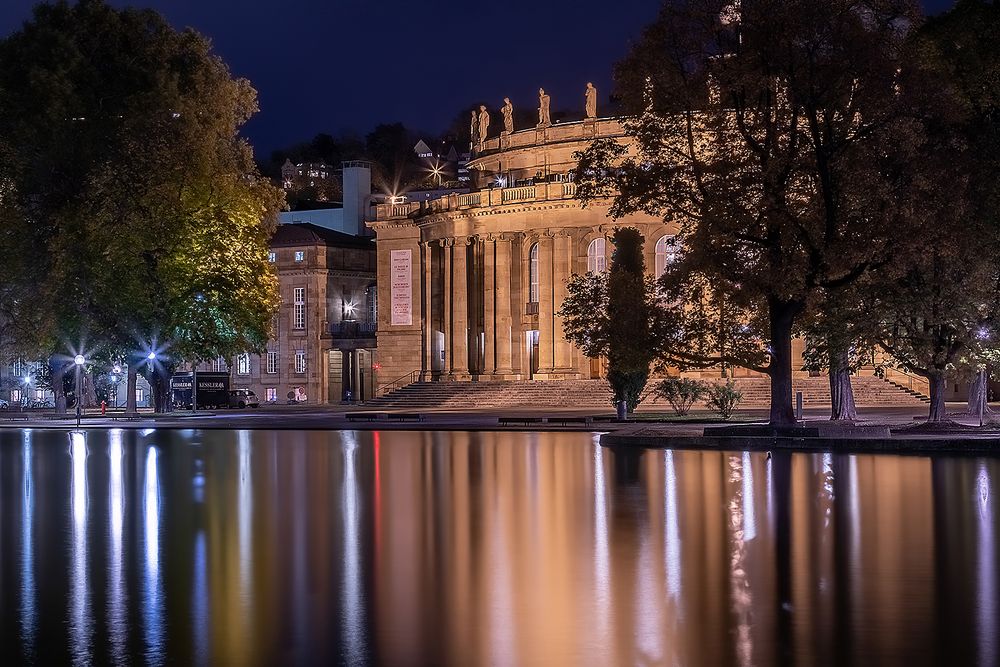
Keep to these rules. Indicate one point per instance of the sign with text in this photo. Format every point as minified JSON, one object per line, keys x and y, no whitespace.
{"x":401,"y":287}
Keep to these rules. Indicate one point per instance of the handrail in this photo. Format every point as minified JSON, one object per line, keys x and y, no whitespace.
{"x":410,"y":378}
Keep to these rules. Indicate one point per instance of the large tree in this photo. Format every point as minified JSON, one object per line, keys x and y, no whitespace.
{"x":614,"y":314}
{"x":132,"y":196}
{"x":782,"y":136}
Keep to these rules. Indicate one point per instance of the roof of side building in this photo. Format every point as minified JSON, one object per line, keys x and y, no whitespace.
{"x":305,"y":233}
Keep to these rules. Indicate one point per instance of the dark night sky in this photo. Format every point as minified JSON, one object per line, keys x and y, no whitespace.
{"x":332,"y":65}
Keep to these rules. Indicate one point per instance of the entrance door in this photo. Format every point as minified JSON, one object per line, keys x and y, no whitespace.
{"x":596,"y":368}
{"x":531,"y":341}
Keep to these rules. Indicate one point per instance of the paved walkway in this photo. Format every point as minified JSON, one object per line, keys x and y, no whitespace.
{"x":335,"y":417}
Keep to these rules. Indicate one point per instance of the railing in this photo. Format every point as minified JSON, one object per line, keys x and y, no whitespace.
{"x":569,"y":189}
{"x":525,"y":193}
{"x":399,"y":210}
{"x":471,"y":199}
{"x":398,"y":383}
{"x":352,"y":329}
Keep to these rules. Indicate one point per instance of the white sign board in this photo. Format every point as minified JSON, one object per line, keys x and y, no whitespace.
{"x":401,"y":287}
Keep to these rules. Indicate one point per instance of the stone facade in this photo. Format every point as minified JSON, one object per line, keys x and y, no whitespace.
{"x":489,"y":268}
{"x":323,"y":333}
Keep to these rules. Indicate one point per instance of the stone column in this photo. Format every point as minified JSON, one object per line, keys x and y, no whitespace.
{"x":489,"y":305}
{"x":460,"y":310}
{"x":427,"y":358}
{"x":504,"y":321}
{"x":446,"y":248}
{"x":546,"y":309}
{"x":562,"y":268}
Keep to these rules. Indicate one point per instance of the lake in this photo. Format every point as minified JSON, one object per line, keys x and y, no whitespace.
{"x":453,"y":548}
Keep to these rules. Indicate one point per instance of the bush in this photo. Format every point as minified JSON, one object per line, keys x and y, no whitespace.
{"x":627,"y":386}
{"x":723,"y":398}
{"x":681,"y":393}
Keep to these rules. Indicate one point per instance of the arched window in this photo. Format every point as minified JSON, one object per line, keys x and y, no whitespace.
{"x":533,"y":274}
{"x":666,"y":253}
{"x":596,"y":260}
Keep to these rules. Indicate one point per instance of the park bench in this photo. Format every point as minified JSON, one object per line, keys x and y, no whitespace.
{"x":567,"y":420}
{"x":406,"y":416}
{"x":523,"y":421}
{"x":366,"y":416}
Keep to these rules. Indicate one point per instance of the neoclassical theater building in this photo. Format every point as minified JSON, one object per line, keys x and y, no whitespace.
{"x":469,"y":284}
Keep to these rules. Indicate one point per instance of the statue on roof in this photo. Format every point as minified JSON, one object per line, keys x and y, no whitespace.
{"x":544,"y":104}
{"x":508,"y":115}
{"x":484,"y":122}
{"x":591,"y":101}
{"x":472,"y":129}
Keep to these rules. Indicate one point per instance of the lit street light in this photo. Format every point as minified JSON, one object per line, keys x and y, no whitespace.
{"x":79,"y":360}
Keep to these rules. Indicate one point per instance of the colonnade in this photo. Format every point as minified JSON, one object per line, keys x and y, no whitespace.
{"x":480,"y":321}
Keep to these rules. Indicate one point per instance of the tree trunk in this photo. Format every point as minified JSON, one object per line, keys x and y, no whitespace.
{"x":781,"y":315}
{"x":937,"y":409}
{"x":841,"y":392}
{"x":130,"y":387}
{"x":978,"y":399}
{"x":59,"y":387}
{"x":160,"y":391}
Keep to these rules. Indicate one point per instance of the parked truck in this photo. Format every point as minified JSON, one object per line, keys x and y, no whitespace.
{"x":213,"y":391}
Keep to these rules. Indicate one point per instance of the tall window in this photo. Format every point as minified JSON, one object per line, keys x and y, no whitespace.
{"x":372,"y":294}
{"x":272,"y":362}
{"x":220,"y":365}
{"x":300,"y":361}
{"x":271,"y":394}
{"x":596,"y":260}
{"x":300,"y":255}
{"x":533,"y":274}
{"x":15,"y":395}
{"x":666,"y":253}
{"x":299,"y":308}
{"x":272,"y":257}
{"x":243,"y":364}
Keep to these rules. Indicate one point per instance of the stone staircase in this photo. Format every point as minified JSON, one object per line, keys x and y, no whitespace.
{"x":869,"y":392}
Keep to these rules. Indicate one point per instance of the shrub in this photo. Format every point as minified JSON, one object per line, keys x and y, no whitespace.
{"x":723,"y":398}
{"x":681,"y":393}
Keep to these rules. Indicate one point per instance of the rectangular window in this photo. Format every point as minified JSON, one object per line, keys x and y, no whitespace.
{"x":140,"y":396}
{"x":220,"y":365}
{"x":299,"y":308}
{"x":300,"y":361}
{"x":272,"y":257}
{"x":270,"y":394}
{"x":15,"y":395}
{"x":272,"y":362}
{"x":300,"y":255}
{"x":243,"y":364}
{"x":39,"y":394}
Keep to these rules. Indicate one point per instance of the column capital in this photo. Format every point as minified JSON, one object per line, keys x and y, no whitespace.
{"x":511,"y":236}
{"x":446,"y":243}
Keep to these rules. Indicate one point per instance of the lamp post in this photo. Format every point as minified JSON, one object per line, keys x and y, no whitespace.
{"x":27,"y":386}
{"x":150,"y":358}
{"x":79,"y":360}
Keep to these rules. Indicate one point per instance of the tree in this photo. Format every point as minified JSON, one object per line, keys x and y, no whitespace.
{"x":130,"y":191}
{"x":614,"y":315}
{"x":782,"y":136}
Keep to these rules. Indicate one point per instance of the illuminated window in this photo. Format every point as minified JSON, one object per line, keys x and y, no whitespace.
{"x":270,"y":394}
{"x":666,"y":253}
{"x":272,"y":362}
{"x":140,"y":395}
{"x":533,"y":274}
{"x":597,"y":262}
{"x":220,"y":365}
{"x":300,"y":255}
{"x":272,"y":257}
{"x":300,"y":361}
{"x":15,"y":395}
{"x":243,"y":364}
{"x":39,"y":394}
{"x":299,"y":308}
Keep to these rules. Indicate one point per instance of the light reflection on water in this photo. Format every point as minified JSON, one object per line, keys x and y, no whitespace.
{"x":483,"y":548}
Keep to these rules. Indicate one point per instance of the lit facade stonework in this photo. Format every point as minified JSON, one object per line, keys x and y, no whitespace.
{"x":323,"y":333}
{"x":487,"y":270}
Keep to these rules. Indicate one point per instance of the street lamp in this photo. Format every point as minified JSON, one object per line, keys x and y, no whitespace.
{"x":27,"y":385}
{"x":79,"y":360}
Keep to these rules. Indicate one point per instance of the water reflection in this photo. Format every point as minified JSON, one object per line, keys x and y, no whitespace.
{"x":483,"y":548}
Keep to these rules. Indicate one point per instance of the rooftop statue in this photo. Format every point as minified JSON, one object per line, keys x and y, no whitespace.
{"x":591,"y":97}
{"x":508,"y":115}
{"x":472,"y":129}
{"x":543,"y":108}
{"x":484,"y":122}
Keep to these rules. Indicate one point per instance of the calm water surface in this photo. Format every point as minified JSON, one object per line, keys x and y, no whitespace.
{"x":244,"y":548}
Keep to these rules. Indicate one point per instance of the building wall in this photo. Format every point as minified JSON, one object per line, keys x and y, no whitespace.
{"x":334,"y":278}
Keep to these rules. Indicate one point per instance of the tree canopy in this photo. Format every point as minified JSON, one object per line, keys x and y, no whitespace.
{"x":136,"y":211}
